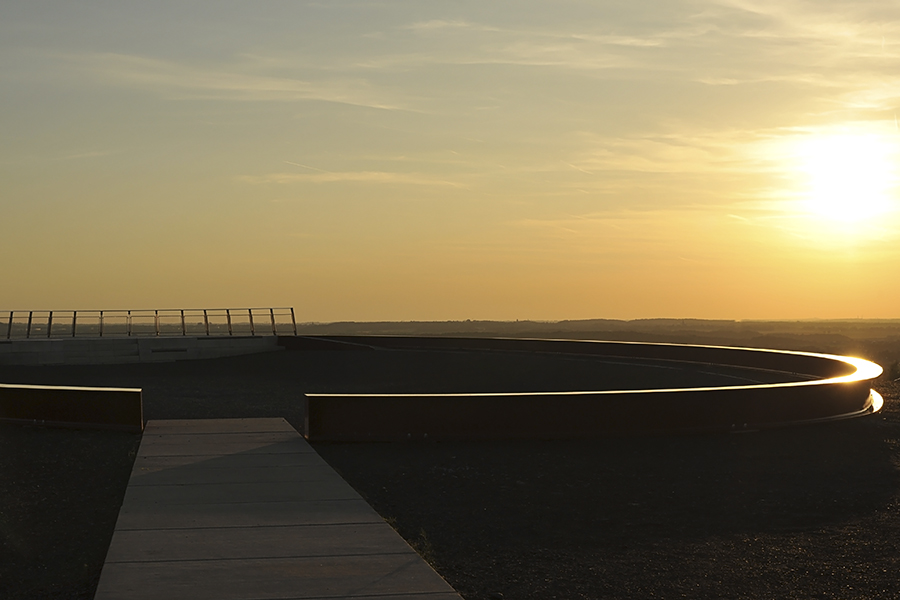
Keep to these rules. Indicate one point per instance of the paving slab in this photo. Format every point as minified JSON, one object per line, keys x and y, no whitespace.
{"x":186,"y":426}
{"x":248,"y":514}
{"x":148,"y":464}
{"x":229,"y":472}
{"x":277,"y":578}
{"x":238,"y":492}
{"x":283,"y":541}
{"x":211,"y":444}
{"x":240,"y":509}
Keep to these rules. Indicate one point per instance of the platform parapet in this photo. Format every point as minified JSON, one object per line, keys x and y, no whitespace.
{"x":809,"y":388}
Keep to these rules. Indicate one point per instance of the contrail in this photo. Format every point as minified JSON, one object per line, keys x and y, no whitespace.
{"x":306,"y":167}
{"x":576,"y":168}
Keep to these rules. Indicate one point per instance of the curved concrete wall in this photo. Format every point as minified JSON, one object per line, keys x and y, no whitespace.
{"x":817,"y":387}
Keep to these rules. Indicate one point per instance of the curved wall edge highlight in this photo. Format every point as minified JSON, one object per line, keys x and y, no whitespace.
{"x":817,"y":388}
{"x":74,"y":407}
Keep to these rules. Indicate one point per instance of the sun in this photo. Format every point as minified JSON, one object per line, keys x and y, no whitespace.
{"x":849,"y":178}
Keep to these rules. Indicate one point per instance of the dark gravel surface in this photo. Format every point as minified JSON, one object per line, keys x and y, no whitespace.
{"x":60,"y":492}
{"x":808,"y":512}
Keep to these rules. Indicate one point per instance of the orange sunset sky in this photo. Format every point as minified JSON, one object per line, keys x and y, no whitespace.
{"x":450,"y":160}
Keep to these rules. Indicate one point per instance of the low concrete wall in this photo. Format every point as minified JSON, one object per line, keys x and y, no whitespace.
{"x":824,"y":387}
{"x":80,"y":407}
{"x":129,"y":349}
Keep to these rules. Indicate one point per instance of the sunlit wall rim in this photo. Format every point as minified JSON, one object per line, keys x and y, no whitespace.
{"x":864,"y":369}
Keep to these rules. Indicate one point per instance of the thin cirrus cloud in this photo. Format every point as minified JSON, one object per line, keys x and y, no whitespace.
{"x":478,"y":43}
{"x":370,"y":177}
{"x":184,"y":81}
{"x":825,"y":47}
{"x":435,"y":24}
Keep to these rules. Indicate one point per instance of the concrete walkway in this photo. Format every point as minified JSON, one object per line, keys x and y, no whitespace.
{"x":240,"y":509}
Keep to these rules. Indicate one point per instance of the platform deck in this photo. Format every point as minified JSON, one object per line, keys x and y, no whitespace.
{"x":240,"y":509}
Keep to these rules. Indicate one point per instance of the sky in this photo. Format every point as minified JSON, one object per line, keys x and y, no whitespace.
{"x":422,"y":160}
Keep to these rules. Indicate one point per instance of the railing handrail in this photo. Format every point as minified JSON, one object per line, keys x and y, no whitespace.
{"x":155,"y":313}
{"x":245,"y":308}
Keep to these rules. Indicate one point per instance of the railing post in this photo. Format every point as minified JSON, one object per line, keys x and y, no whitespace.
{"x":252,"y":330}
{"x":293,"y":321}
{"x":206,"y":321}
{"x":272,"y":314}
{"x":74,"y":319}
{"x":9,"y":325}
{"x":183,"y":328}
{"x":128,"y":323}
{"x":101,"y":323}
{"x":156,"y":321}
{"x":49,"y":323}
{"x":228,"y":318}
{"x":28,"y":329}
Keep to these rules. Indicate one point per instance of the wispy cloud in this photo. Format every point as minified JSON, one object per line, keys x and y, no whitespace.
{"x":436,"y":24}
{"x":677,"y":152}
{"x":718,"y":42}
{"x":372,"y":177}
{"x":650,"y":235}
{"x":224,"y":83}
{"x":87,"y":154}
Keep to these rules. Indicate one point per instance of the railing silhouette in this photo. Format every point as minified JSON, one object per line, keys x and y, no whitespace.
{"x":47,"y":324}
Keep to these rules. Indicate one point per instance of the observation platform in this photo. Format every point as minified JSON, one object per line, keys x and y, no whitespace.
{"x":235,"y":509}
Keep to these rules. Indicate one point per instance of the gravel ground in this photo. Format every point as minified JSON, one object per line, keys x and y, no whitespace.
{"x":808,"y":512}
{"x":61,"y":491}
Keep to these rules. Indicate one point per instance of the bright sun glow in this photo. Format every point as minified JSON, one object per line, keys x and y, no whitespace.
{"x":850,"y":178}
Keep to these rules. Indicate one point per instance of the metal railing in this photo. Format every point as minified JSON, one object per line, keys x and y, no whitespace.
{"x":200,"y":322}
